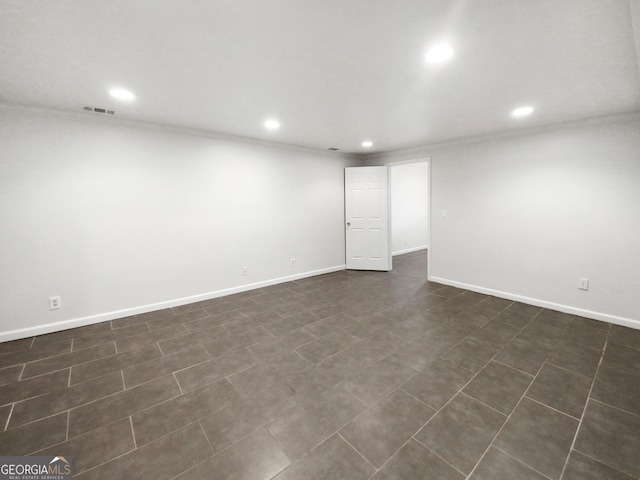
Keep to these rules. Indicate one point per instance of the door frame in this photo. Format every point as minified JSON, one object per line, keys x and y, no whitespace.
{"x":426,"y":160}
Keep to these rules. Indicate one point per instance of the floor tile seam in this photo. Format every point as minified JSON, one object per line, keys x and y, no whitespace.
{"x":173,"y":372}
{"x":24,"y":366}
{"x":155,"y":440}
{"x":39,"y":420}
{"x":206,"y":437}
{"x":388,"y":459}
{"x":634,"y":373}
{"x":500,"y":348}
{"x":121,"y":369}
{"x":198,"y":420}
{"x":332,"y":355}
{"x":441,"y":458}
{"x":522,"y":463}
{"x":584,"y":408}
{"x":622,"y":344}
{"x":508,"y":417}
{"x":65,"y":409}
{"x":176,"y":380}
{"x":421,"y":401}
{"x":124,"y":391}
{"x":114,"y":336}
{"x":151,"y":340}
{"x":259,"y":362}
{"x":68,"y":366}
{"x":437,"y":411}
{"x":34,"y":452}
{"x":367,"y":407}
{"x":324,"y":439}
{"x":107,"y":461}
{"x":66,"y":436}
{"x":217,"y":314}
{"x":193,"y":467}
{"x":565,"y":414}
{"x":6,"y":424}
{"x":237,"y":440}
{"x":514,"y":368}
{"x":375,"y":469}
{"x":15,"y":402}
{"x":18,"y":382}
{"x":613,"y":407}
{"x":25,"y":361}
{"x":550,"y":362}
{"x":481,"y":403}
{"x":613,"y":467}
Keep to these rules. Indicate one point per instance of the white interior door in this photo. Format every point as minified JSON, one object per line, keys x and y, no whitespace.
{"x":368,"y":244}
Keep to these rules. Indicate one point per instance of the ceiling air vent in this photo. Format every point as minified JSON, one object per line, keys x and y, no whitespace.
{"x":99,"y":110}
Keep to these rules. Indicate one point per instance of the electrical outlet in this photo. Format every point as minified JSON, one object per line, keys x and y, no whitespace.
{"x":245,"y":271}
{"x":55,"y":303}
{"x":583,"y":283}
{"x":292,"y":263}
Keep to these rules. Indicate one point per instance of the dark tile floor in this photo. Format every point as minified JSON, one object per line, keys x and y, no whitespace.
{"x":352,"y":375}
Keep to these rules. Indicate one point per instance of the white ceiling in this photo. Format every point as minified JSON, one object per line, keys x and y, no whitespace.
{"x":334,"y":72}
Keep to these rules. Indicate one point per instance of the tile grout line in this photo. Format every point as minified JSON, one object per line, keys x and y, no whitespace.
{"x":586,"y":403}
{"x":76,"y":364}
{"x":615,"y":407}
{"x":516,"y":405}
{"x":133,"y":433}
{"x":24,"y":366}
{"x":40,"y":419}
{"x":437,"y":455}
{"x":354,"y":449}
{"x":443,"y":407}
{"x":514,"y":368}
{"x":605,"y":464}
{"x":534,"y":400}
{"x":66,"y":438}
{"x":504,"y":424}
{"x":481,"y":403}
{"x":179,"y":386}
{"x":6,"y":424}
{"x":521,"y":462}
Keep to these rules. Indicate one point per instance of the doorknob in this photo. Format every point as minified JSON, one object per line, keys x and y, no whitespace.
{"x":348,"y":224}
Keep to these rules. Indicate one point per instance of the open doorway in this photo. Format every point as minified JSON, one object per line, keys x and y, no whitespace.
{"x":409,"y":190}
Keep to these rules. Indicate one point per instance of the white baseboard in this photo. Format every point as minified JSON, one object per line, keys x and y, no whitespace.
{"x":409,"y":250}
{"x":103,"y":317}
{"x":605,"y":317}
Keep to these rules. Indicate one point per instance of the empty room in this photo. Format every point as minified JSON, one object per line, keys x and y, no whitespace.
{"x":344,"y":239}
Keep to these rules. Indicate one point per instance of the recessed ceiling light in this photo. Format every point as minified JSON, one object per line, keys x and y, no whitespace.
{"x":367,"y":144}
{"x":122,"y":94}
{"x":439,"y":53}
{"x":522,"y":111}
{"x":272,"y":124}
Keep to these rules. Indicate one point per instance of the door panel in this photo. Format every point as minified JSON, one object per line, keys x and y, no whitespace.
{"x":368,"y":243}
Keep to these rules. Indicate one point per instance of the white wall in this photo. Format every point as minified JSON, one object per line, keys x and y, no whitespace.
{"x":528,"y":215}
{"x":119,"y":219}
{"x":409,"y":206}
